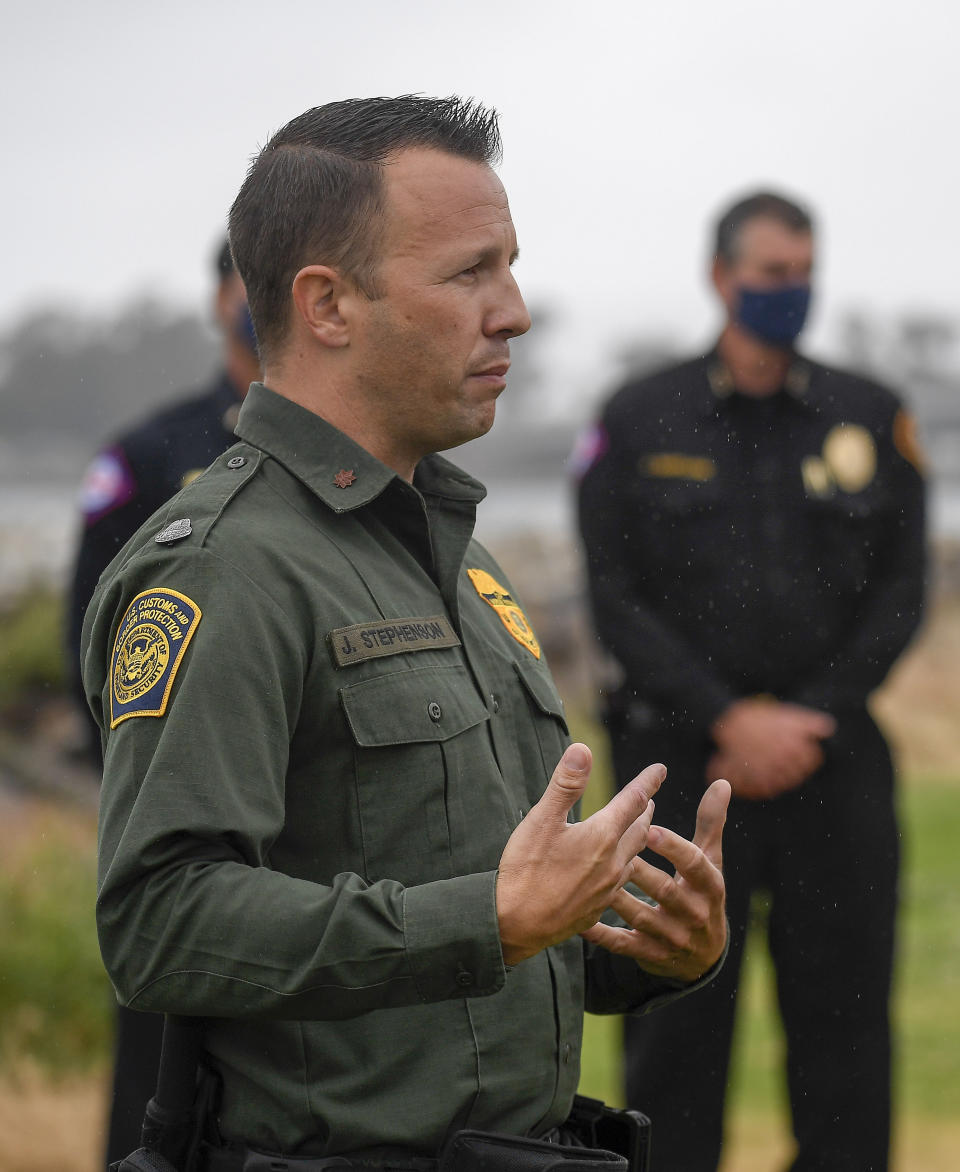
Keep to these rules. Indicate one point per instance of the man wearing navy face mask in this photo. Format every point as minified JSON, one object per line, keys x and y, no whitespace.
{"x":130,"y":478}
{"x":753,"y":524}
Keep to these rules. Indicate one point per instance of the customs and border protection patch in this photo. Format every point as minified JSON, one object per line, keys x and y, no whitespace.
{"x":154,"y":633}
{"x":510,"y":614}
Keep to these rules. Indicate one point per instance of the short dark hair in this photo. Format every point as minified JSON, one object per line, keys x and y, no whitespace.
{"x":314,"y":193}
{"x":765,"y":204}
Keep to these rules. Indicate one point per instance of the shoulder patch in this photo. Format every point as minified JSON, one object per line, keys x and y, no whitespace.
{"x":107,"y":484}
{"x":590,"y":446}
{"x":154,"y":633}
{"x":506,"y":607}
{"x":907,"y":441}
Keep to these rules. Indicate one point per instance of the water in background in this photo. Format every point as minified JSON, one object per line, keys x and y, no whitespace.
{"x":39,"y":525}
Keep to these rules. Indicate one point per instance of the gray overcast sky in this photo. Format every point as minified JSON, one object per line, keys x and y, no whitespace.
{"x":127,"y":127}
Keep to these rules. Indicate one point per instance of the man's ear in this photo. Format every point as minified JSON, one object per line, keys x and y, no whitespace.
{"x":321,"y":296}
{"x":722,"y":280}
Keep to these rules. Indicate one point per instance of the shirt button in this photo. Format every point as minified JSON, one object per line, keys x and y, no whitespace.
{"x":236,"y":461}
{"x":434,"y":711}
{"x":464,"y":979}
{"x":495,"y":703}
{"x":567,"y":1051}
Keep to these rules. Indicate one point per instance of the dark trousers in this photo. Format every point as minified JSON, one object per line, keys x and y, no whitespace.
{"x":136,"y":1063}
{"x":828,"y":856}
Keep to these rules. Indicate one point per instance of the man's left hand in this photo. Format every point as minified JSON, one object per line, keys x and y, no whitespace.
{"x":685,"y":933}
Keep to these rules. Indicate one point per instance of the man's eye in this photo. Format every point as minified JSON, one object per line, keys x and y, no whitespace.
{"x":470,"y":272}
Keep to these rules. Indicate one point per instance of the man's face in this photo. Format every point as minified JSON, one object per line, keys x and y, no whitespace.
{"x":769,"y":256}
{"x":432,"y":351}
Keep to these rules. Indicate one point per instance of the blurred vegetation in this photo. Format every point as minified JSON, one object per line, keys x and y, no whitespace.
{"x":55,"y":999}
{"x":31,"y":646}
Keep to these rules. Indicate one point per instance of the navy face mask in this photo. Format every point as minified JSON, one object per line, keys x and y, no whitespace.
{"x":775,"y":316}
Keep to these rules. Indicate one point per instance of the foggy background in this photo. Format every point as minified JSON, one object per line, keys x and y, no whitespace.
{"x":127,"y":130}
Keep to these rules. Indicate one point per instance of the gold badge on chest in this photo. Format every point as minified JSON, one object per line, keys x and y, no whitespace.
{"x":850,"y":455}
{"x":509,"y":613}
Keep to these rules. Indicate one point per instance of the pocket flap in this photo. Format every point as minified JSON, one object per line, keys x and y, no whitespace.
{"x":407,"y":707}
{"x":541,"y":690}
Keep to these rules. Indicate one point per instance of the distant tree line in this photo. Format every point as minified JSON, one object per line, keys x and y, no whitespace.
{"x":63,"y":374}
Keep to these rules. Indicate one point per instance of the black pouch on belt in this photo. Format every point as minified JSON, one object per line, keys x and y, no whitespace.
{"x":485,"y":1151}
{"x":599,"y":1126}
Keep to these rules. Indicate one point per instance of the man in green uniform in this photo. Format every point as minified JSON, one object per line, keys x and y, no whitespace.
{"x":336,"y":783}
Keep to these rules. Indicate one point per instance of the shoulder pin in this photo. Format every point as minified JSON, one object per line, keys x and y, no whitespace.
{"x":175,"y":531}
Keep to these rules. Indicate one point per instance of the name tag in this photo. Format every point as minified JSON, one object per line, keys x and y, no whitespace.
{"x":676,"y":466}
{"x":390,"y":637}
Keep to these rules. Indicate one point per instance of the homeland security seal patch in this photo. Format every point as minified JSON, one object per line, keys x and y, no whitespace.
{"x":506,"y":607}
{"x":154,"y":633}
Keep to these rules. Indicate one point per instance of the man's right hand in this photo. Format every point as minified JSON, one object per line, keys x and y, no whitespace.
{"x":556,"y":878}
{"x":765,"y":747}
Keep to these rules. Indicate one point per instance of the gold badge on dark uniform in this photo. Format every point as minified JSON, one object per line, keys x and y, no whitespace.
{"x":509,"y":613}
{"x":817,"y":481}
{"x":851,"y":456}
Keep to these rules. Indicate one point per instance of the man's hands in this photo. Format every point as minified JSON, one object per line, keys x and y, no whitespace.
{"x":766,"y":747}
{"x":685,"y":933}
{"x":557,"y":878}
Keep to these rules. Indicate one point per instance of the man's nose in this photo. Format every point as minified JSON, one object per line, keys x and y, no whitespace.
{"x":510,"y":315}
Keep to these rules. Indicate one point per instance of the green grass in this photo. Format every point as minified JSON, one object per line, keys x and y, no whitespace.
{"x":55,"y":1000}
{"x":926,"y":1006}
{"x":31,"y":645}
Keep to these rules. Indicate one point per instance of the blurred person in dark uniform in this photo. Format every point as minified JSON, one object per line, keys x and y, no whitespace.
{"x":127,"y":481}
{"x":754,"y":531}
{"x":140,"y":469}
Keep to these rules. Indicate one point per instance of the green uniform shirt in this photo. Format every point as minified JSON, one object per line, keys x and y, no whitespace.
{"x":329,"y":714}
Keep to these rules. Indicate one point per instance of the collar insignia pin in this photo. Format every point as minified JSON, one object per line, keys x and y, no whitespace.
{"x":343,"y":478}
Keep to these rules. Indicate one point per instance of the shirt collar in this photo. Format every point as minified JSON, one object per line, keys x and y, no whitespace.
{"x":320,"y":455}
{"x":720,"y":383}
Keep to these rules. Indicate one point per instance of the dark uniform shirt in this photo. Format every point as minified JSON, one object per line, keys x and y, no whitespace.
{"x":139,"y":471}
{"x":741,"y":545}
{"x":348,"y":716}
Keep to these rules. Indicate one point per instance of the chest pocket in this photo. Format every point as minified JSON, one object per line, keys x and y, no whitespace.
{"x":553,"y":735}
{"x":419,"y":735}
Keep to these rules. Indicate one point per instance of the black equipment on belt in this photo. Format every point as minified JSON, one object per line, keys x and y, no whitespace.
{"x":177,"y":1133}
{"x":184,"y":1096}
